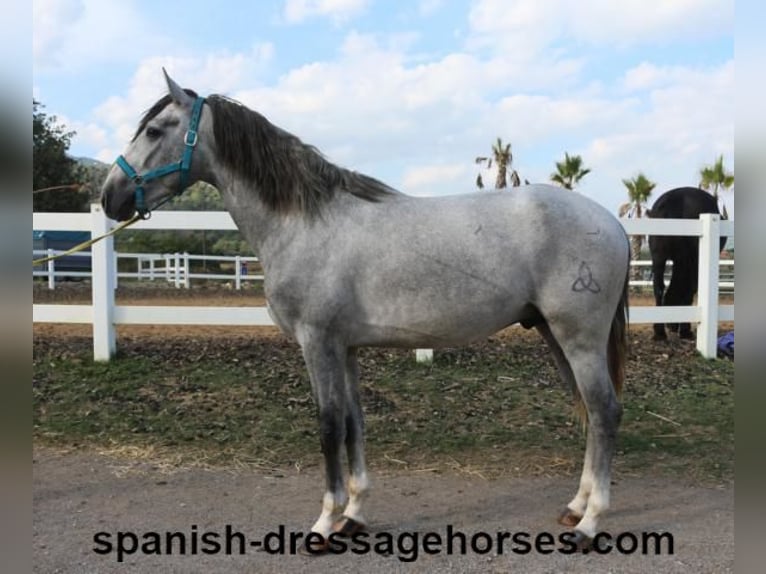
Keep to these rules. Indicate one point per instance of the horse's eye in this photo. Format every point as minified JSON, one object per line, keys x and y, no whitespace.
{"x":153,"y":133}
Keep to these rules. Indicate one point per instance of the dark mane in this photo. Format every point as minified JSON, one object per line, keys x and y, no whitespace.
{"x":152,"y":112}
{"x":287,"y":174}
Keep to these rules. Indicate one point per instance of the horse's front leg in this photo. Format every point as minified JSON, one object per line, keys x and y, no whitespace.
{"x":325,"y":361}
{"x":358,"y":484}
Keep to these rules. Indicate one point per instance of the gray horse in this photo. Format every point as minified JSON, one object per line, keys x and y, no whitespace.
{"x":350,"y":262}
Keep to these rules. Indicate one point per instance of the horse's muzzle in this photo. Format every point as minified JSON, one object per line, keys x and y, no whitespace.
{"x":115,"y":207}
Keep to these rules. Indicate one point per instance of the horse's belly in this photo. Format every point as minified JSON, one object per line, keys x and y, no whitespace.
{"x":434,"y":326}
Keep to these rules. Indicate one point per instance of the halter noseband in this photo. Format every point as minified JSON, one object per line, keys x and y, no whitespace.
{"x":183,"y":166}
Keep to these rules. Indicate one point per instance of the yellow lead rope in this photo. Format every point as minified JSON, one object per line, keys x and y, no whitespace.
{"x":86,"y":244}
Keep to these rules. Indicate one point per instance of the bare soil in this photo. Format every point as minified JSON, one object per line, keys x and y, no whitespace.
{"x":78,"y":494}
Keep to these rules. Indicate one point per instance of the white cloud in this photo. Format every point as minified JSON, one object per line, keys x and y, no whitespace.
{"x":419,"y":122}
{"x":73,"y":34}
{"x":528,"y":26}
{"x":687,"y":123}
{"x":339,"y":11}
{"x":219,"y":73}
{"x":634,"y":22}
{"x":428,"y":7}
{"x":427,"y":179}
{"x":92,"y":134}
{"x":52,"y":21}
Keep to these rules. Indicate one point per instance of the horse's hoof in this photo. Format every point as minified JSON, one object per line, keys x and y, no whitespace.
{"x":659,"y":334}
{"x":569,"y":518}
{"x":582,"y":542}
{"x":347,"y":527}
{"x":686,"y":335}
{"x":318,"y":548}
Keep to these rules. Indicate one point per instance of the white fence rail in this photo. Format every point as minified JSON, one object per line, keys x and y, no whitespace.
{"x":173,"y":268}
{"x":176,"y":268}
{"x":104,"y":314}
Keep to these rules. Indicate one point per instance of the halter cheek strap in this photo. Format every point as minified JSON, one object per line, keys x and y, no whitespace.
{"x":183,"y":166}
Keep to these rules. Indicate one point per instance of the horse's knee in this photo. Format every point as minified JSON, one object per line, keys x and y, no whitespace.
{"x":609,"y":421}
{"x":614,"y":414}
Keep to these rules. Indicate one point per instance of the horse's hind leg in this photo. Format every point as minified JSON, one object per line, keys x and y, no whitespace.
{"x":326,"y":365}
{"x":658,"y":283}
{"x":587,"y":359}
{"x":686,"y":296}
{"x":576,"y":508}
{"x":358,"y":483}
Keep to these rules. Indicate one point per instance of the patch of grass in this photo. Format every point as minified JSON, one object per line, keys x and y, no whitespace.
{"x":493,"y":408}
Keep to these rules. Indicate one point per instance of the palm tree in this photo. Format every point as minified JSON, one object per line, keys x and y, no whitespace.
{"x":714,"y":178}
{"x":569,"y":172}
{"x":503,"y":158}
{"x":639,"y":190}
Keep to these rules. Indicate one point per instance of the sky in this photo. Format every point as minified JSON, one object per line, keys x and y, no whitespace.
{"x":412,"y":92}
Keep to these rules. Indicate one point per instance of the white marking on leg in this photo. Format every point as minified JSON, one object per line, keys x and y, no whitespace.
{"x":598,"y":504}
{"x":358,"y":486}
{"x":579,"y":503}
{"x":332,"y":506}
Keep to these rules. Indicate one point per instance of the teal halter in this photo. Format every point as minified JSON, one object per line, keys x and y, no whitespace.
{"x":183,"y":166}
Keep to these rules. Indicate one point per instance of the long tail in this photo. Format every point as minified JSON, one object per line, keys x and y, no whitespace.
{"x":616,"y":353}
{"x":617,"y":347}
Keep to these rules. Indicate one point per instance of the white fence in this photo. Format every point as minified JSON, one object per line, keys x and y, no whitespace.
{"x":104,"y":314}
{"x":176,"y":268}
{"x":173,"y":268}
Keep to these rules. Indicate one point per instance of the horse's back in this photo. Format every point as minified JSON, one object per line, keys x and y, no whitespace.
{"x":680,"y":203}
{"x":445,"y":270}
{"x":683,"y":203}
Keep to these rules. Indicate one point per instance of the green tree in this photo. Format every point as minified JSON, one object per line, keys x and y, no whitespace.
{"x":714,"y":178}
{"x":569,"y":172}
{"x":93,"y":175}
{"x":198,"y":197}
{"x":503,"y":158}
{"x":53,"y":167}
{"x":639,"y":190}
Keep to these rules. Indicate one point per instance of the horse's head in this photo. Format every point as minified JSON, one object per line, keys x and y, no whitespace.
{"x":157,"y":164}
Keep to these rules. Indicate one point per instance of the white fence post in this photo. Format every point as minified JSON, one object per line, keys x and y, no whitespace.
{"x":187,"y":283}
{"x":51,"y":270}
{"x":237,"y":273}
{"x":424,"y":355}
{"x":707,"y":288}
{"x":103,"y":283}
{"x":177,"y":269}
{"x":116,"y":270}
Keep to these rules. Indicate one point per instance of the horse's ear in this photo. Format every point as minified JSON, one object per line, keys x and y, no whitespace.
{"x":177,"y":92}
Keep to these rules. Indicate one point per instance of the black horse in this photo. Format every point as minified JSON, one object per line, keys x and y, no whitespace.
{"x":679,"y":203}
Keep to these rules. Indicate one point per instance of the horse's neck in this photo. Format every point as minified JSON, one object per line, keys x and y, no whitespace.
{"x":270,"y":233}
{"x":267,"y":232}
{"x":252,"y":217}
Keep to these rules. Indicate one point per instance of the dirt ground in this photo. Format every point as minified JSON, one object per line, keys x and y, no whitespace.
{"x":79,"y":493}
